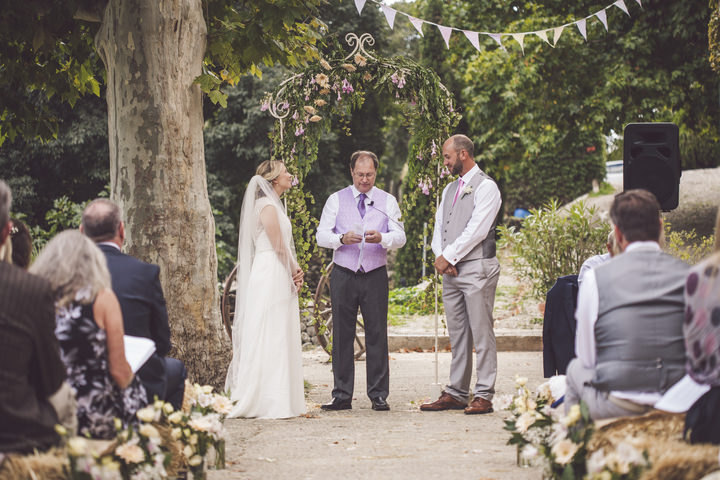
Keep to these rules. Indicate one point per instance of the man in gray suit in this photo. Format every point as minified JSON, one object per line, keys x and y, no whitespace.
{"x":464,"y":246}
{"x":630,"y":312}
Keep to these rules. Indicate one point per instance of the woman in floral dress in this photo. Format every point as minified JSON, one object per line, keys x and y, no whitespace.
{"x":90,"y":332}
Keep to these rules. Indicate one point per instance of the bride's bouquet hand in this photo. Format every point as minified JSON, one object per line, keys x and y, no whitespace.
{"x":298,"y":277}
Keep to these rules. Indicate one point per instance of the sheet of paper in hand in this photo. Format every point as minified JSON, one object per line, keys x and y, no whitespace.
{"x":137,"y":351}
{"x":681,"y":396}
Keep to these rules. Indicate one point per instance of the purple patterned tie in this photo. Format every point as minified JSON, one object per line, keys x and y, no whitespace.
{"x":361,"y":204}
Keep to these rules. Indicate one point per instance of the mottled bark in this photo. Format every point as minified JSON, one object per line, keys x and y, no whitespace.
{"x":714,"y":35}
{"x":152,"y":50}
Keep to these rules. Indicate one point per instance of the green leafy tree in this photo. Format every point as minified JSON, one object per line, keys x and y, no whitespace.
{"x":155,"y":58}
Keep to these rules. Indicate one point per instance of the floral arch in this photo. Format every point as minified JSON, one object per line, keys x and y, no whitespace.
{"x":306,"y":103}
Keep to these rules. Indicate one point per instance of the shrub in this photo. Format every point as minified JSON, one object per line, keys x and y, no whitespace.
{"x":687,"y":245}
{"x":554,"y":242}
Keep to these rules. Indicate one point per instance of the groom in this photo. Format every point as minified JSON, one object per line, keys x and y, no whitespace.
{"x":464,"y":245}
{"x":360,"y":223}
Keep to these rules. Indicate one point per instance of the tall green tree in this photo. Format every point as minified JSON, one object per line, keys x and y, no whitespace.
{"x":156,"y":58}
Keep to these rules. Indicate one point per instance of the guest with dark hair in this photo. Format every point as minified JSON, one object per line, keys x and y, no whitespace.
{"x":21,"y":244}
{"x":630,"y":311}
{"x":702,"y":341}
{"x":90,"y":331}
{"x":30,"y":366}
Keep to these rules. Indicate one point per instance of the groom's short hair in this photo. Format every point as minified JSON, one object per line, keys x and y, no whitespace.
{"x":363,"y":153}
{"x":101,"y":220}
{"x":461,"y":142}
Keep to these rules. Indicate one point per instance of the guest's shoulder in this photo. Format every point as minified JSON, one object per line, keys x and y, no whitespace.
{"x":20,"y":284}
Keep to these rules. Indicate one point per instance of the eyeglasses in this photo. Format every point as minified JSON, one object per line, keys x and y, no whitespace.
{"x":364,"y":175}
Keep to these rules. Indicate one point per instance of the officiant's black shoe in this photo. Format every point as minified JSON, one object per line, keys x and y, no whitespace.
{"x":380,"y":404}
{"x":337,"y":404}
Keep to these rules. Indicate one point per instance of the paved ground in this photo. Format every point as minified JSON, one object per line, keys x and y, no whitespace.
{"x":402,"y":443}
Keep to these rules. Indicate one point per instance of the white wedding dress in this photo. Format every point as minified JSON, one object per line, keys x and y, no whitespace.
{"x":265,"y":375}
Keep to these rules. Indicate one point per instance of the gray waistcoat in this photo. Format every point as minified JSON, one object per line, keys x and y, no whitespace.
{"x":638,"y":332}
{"x":455,"y":218}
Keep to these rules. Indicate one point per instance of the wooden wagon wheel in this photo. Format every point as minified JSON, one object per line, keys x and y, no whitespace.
{"x":322,"y":313}
{"x":227,"y":303}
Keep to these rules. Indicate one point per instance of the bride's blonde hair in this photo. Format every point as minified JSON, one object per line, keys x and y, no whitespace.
{"x":72,"y":262}
{"x":270,"y":169}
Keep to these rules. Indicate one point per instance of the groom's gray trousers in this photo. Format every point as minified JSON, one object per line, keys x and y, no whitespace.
{"x":368,"y":291}
{"x":468,"y":300}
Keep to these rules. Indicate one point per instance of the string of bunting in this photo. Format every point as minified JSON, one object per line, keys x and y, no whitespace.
{"x":519,"y":37}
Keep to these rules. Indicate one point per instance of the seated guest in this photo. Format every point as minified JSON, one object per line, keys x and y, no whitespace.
{"x":596,"y":260}
{"x":630,"y":312}
{"x":90,"y":331}
{"x":21,"y":244}
{"x":137,"y":285}
{"x":702,"y":341}
{"x":30,"y":365}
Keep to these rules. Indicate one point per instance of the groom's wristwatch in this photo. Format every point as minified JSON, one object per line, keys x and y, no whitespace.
{"x":341,"y":238}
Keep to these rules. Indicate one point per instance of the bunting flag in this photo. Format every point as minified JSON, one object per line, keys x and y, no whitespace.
{"x":603,"y":18}
{"x":445,"y":32}
{"x":520,"y":38}
{"x":621,"y":5}
{"x":389,"y":15}
{"x":543,"y":35}
{"x":417,"y":23}
{"x":582,"y":27}
{"x":473,"y":37}
{"x":359,"y":4}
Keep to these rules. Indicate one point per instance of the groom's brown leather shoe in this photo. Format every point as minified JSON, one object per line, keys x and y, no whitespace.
{"x":479,"y":405}
{"x":445,"y":402}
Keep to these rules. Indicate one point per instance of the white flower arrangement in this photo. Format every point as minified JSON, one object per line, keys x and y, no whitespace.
{"x":141,"y":452}
{"x":559,"y":442}
{"x":467,"y":190}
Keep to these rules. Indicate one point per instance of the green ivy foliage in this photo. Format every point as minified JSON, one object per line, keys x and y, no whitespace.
{"x":714,"y":35}
{"x":327,"y":92}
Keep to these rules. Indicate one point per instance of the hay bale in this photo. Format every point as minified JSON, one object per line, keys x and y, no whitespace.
{"x":49,"y":465}
{"x":660,"y":434}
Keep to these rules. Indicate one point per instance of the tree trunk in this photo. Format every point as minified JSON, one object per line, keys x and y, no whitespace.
{"x":153,"y":50}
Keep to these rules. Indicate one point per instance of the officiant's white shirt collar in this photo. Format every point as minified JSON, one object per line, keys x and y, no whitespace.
{"x":356,"y":192}
{"x":111,"y":244}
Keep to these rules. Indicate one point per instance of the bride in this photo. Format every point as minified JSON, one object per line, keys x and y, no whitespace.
{"x":265,"y":375}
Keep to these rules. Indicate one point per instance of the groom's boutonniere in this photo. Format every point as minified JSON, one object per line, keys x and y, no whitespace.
{"x":467,"y":190}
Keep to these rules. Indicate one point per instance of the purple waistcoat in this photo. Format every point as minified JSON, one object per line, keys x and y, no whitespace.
{"x":374,"y":255}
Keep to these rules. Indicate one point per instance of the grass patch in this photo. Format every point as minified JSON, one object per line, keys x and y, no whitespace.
{"x":605,"y":189}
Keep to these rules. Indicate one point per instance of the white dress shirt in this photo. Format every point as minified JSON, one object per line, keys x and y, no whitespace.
{"x":586,"y":316}
{"x":591,"y":263}
{"x":394,"y":238}
{"x":487,"y":203}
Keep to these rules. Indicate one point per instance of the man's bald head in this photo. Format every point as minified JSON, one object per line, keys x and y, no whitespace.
{"x":101,"y":220}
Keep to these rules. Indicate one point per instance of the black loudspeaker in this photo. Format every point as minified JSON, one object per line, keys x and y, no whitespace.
{"x":651,"y":160}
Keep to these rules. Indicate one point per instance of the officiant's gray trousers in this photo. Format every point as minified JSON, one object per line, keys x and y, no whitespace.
{"x":368,"y":291}
{"x":468,"y":300}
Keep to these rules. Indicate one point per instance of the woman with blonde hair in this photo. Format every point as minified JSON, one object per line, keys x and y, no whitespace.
{"x":90,"y":332}
{"x":265,"y":374}
{"x":702,"y":344}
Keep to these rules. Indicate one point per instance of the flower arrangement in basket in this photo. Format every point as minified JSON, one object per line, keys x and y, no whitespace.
{"x":162,"y":444}
{"x":544,"y":435}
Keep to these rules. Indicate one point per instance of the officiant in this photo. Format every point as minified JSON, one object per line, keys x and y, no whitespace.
{"x":360,"y":223}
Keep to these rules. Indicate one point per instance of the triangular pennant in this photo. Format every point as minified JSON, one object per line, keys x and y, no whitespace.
{"x":359,"y":4}
{"x":445,"y":32}
{"x":557,"y":31}
{"x":417,"y":23}
{"x":621,"y":5}
{"x":544,"y":35}
{"x":520,"y":38}
{"x":639,"y":2}
{"x":389,"y":15}
{"x":582,"y":27}
{"x":602,"y":15}
{"x":473,"y":37}
{"x":496,"y":37}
